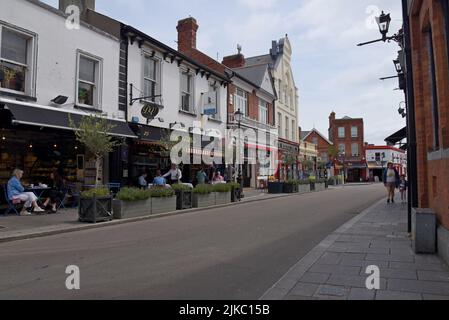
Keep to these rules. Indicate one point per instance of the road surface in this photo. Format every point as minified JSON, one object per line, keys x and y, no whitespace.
{"x":229,"y":253}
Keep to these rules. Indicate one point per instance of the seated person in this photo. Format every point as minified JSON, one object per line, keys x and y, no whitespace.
{"x":57,"y":191}
{"x":159,"y":181}
{"x":142,"y":181}
{"x":16,"y":191}
{"x":218,"y":178}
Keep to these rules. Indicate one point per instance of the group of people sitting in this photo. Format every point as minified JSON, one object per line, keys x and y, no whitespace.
{"x":17,"y":191}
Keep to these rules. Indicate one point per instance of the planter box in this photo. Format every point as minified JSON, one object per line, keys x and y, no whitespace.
{"x":304,"y":188}
{"x":320,"y":187}
{"x":312,"y":186}
{"x":95,"y":210}
{"x":275,"y":187}
{"x":236,"y":195}
{"x":184,"y":200}
{"x":222,"y":198}
{"x":290,"y":188}
{"x":203,"y":200}
{"x":163,"y":205}
{"x":126,"y":209}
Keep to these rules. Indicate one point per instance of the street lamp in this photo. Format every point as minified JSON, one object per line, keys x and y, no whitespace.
{"x":384,"y":24}
{"x":238,"y":116}
{"x":401,"y":110}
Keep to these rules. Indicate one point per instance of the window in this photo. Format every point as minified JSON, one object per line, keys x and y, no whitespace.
{"x":241,"y":101}
{"x":263,"y":111}
{"x":293,"y":130}
{"x":341,"y":132}
{"x":214,"y":99}
{"x":342,"y":148}
{"x":151,"y":78}
{"x":280,"y":90}
{"x":280,"y":124}
{"x":355,"y":149}
{"x":354,"y":132}
{"x":287,"y":127}
{"x":315,"y":141}
{"x":88,"y":82}
{"x":16,"y":60}
{"x":187,"y":103}
{"x":433,"y":83}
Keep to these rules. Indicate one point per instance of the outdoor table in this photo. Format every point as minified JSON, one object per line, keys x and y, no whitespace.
{"x":38,"y":191}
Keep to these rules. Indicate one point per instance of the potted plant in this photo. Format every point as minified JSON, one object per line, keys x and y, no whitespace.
{"x":320,"y":185}
{"x":92,"y":132}
{"x":275,"y":187}
{"x":131,"y":202}
{"x":95,"y":205}
{"x":312,"y":180}
{"x":236,"y":191}
{"x":82,"y":95}
{"x":184,"y":196}
{"x":304,"y":186}
{"x":162,"y":200}
{"x":203,"y":196}
{"x":290,"y":186}
{"x":222,"y":193}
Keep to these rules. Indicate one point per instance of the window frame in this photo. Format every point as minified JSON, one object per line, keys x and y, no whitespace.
{"x":342,"y":150}
{"x":341,"y":136}
{"x":239,"y":98}
{"x":433,"y":91}
{"x":356,"y":135}
{"x":217,"y":115}
{"x":31,"y":56}
{"x":354,"y":154}
{"x":186,"y":72}
{"x":287,"y":125}
{"x":263,"y":111}
{"x":158,"y":77}
{"x":98,"y":78}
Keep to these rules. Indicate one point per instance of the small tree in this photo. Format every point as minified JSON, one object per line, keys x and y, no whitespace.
{"x":92,"y":132}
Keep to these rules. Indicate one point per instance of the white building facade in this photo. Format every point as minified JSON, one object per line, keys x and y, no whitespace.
{"x":378,"y":157}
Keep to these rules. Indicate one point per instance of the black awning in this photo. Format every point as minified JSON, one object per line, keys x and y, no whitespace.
{"x":42,"y":117}
{"x":404,"y":147}
{"x":397,"y":137}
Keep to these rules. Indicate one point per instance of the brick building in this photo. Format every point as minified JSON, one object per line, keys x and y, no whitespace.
{"x":429,"y":30}
{"x":324,"y":150}
{"x":347,"y":135}
{"x":251,"y":90}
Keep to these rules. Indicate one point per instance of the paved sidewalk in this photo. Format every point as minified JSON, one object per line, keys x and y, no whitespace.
{"x":336,"y":268}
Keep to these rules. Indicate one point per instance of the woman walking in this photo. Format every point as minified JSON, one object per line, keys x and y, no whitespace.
{"x":391,"y":181}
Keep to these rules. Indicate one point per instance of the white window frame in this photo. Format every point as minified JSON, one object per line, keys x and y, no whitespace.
{"x":354,"y":132}
{"x":287,"y":127}
{"x":280,"y":124}
{"x":30,"y":66}
{"x":340,"y":135}
{"x":217,"y":115}
{"x":342,"y":148}
{"x":157,"y":81}
{"x":293,"y":130}
{"x":241,"y":100}
{"x":98,"y":80}
{"x":263,"y":111}
{"x":185,"y":72}
{"x":355,"y":154}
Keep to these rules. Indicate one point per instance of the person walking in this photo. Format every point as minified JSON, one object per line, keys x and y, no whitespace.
{"x":175,"y":175}
{"x":391,"y":181}
{"x":403,"y":187}
{"x":17,"y":191}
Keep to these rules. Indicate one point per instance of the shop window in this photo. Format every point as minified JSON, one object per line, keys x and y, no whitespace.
{"x":89,"y":81}
{"x":187,"y":92}
{"x":434,"y":95}
{"x":263,"y":111}
{"x":16,"y":60}
{"x":151,"y":78}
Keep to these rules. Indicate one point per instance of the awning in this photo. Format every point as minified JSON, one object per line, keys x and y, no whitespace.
{"x":43,"y":117}
{"x":397,"y":137}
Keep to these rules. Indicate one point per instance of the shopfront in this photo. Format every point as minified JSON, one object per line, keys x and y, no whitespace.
{"x":288,"y":160}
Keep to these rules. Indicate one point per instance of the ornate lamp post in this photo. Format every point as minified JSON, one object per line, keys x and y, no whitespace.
{"x":238,"y":116}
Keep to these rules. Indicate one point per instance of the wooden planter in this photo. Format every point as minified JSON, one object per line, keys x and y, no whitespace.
{"x":163,"y":205}
{"x":203,"y":200}
{"x":184,"y":200}
{"x":275,"y":187}
{"x":304,"y":188}
{"x":95,"y":209}
{"x":126,"y":209}
{"x":222,"y":198}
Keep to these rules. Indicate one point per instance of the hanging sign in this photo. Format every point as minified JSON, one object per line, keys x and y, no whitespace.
{"x":150,"y":111}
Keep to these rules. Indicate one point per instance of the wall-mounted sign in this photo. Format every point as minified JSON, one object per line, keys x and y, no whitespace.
{"x":150,"y":111}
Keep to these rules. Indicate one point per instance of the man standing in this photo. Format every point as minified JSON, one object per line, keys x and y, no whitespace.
{"x":175,"y":175}
{"x":391,"y":181}
{"x":143,"y":184}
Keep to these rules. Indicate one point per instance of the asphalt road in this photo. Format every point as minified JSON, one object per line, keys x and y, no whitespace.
{"x":228,"y":253}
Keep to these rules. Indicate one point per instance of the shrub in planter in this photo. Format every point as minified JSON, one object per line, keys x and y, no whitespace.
{"x":290,"y":186}
{"x":162,"y":201}
{"x":236,"y":191}
{"x":304,"y":186}
{"x":203,"y":196}
{"x":320,"y":185}
{"x":132,"y":202}
{"x":275,"y":187}
{"x":95,"y":205}
{"x":222,"y":193}
{"x":184,"y":196}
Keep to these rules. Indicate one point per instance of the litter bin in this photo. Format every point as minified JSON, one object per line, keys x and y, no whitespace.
{"x":424,"y":231}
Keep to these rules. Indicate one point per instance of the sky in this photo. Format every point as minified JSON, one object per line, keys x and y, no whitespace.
{"x":330,"y":71}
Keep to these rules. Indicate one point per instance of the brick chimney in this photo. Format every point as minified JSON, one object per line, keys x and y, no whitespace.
{"x":332,"y":118}
{"x":234,"y":61}
{"x":187,"y":29}
{"x":83,"y":5}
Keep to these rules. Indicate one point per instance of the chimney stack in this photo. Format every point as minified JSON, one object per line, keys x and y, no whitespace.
{"x":236,"y":60}
{"x":274,"y":48}
{"x":187,"y":29}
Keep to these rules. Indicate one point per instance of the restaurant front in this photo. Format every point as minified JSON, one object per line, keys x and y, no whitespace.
{"x":288,"y":160}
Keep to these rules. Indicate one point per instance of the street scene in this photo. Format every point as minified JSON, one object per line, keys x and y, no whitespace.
{"x":297,"y":150}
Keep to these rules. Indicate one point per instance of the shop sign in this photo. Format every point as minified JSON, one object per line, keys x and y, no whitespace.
{"x":288,"y":148}
{"x":150,"y":111}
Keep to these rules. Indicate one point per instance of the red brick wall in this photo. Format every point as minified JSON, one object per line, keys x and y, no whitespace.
{"x":348,"y":140}
{"x":433,"y":176}
{"x":323,"y":145}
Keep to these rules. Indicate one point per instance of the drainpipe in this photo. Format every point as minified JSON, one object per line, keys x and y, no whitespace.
{"x":411,"y":128}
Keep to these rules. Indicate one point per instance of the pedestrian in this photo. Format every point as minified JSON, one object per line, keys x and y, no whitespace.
{"x":159,"y":181}
{"x":218,"y":178}
{"x":142,"y":181}
{"x":201,"y":177}
{"x":403,"y":187}
{"x":17,"y":191}
{"x":391,"y":181}
{"x":174,"y":175}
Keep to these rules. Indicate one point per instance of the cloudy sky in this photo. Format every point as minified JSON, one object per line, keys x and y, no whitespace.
{"x":331,"y":72}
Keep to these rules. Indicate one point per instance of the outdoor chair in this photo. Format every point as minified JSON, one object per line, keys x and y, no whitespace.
{"x":114,"y":188}
{"x":70,"y":193}
{"x":12,"y":204}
